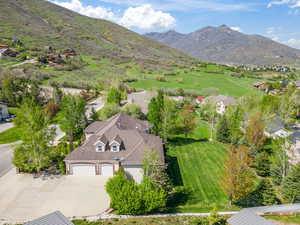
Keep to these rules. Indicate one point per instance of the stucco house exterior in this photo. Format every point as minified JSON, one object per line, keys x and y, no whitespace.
{"x":294,"y":154}
{"x":119,"y":141}
{"x":4,"y":114}
{"x":221,"y":102}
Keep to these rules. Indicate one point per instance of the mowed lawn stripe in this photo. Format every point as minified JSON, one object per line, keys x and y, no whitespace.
{"x":201,"y":166}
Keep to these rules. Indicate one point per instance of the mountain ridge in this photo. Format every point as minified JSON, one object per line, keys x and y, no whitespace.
{"x":225,"y":45}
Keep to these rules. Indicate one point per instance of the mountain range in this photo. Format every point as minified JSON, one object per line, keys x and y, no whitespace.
{"x":39,"y":23}
{"x":225,"y":45}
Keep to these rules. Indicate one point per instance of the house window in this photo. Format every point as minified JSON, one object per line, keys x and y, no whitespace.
{"x":114,"y":148}
{"x":100,"y":148}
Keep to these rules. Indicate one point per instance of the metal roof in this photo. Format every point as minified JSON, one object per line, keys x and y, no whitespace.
{"x":55,"y":218}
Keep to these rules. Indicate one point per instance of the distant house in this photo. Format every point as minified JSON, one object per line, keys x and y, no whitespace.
{"x":3,"y":112}
{"x":7,"y":52}
{"x":276,"y":129}
{"x":199,"y":99}
{"x":297,"y":84}
{"x":119,"y":141}
{"x":258,"y":84}
{"x":221,"y":102}
{"x":55,"y":218}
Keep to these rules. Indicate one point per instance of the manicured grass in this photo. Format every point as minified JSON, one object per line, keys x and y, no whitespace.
{"x":11,"y":135}
{"x":200,"y":80}
{"x":198,"y":165}
{"x":294,"y":219}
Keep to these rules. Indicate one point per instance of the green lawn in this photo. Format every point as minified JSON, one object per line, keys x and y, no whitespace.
{"x":11,"y":135}
{"x":198,"y":81}
{"x":198,"y":165}
{"x":294,"y":219}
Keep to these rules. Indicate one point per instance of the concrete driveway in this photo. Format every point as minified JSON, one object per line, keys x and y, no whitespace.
{"x":6,"y":154}
{"x":23,"y":198}
{"x":97,"y":105}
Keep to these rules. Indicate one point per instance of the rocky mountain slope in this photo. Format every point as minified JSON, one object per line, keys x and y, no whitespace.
{"x":39,"y":23}
{"x":224,"y":45}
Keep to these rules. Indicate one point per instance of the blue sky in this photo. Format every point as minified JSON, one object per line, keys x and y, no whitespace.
{"x":278,"y":19}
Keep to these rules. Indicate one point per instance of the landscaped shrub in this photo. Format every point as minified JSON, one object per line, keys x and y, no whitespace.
{"x":129,"y":198}
{"x":134,"y":110}
{"x":114,"y":96}
{"x":108,"y":111}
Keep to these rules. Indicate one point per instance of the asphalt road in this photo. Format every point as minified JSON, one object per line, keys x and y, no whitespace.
{"x":6,"y":154}
{"x":97,"y":104}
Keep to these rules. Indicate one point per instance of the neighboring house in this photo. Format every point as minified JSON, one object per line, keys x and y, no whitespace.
{"x":247,"y":217}
{"x":297,"y":84}
{"x":294,"y":155}
{"x":258,"y":84}
{"x":177,"y":98}
{"x":3,"y":112}
{"x":119,"y":141}
{"x":276,"y":129}
{"x":221,"y":102}
{"x":199,"y":99}
{"x":55,"y":218}
{"x":254,"y":216}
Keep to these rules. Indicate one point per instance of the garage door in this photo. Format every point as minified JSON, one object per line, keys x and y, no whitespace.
{"x":84,"y":170}
{"x":134,"y":172}
{"x":107,"y":170}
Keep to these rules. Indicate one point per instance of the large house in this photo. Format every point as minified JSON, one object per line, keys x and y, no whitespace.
{"x":120,"y":140}
{"x":221,"y":102}
{"x":276,"y":129}
{"x":3,"y":112}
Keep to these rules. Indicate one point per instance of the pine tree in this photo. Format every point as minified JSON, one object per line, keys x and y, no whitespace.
{"x":266,"y":192}
{"x":291,"y":185}
{"x":223,"y":132}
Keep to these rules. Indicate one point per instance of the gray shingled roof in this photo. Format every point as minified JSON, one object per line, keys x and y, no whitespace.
{"x":247,"y":217}
{"x":251,"y":216}
{"x":275,"y":125}
{"x":55,"y":218}
{"x":122,"y":128}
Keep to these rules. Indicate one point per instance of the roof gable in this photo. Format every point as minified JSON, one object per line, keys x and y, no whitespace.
{"x":55,"y":218}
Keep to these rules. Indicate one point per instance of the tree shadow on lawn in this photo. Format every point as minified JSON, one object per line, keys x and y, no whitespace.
{"x":180,"y":141}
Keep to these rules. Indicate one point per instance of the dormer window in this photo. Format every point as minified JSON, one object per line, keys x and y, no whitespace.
{"x":100,"y":148}
{"x":115,"y":148}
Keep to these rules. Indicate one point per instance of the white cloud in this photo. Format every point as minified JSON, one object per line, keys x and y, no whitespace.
{"x":91,"y":11}
{"x":146,"y":18}
{"x":236,"y":29}
{"x":143,"y":17}
{"x":293,"y":43}
{"x":291,"y":3}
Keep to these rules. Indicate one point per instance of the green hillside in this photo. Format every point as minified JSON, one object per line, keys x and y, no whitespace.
{"x":38,"y":23}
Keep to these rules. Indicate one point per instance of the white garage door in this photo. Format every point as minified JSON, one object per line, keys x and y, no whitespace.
{"x":84,"y":170}
{"x":107,"y":170}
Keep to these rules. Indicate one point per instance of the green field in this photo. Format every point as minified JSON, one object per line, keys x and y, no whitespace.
{"x":197,"y":164}
{"x":198,"y":81}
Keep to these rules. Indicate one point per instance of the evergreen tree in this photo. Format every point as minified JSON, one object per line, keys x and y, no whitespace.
{"x":262,"y":164}
{"x":223,"y":132}
{"x":155,"y":112}
{"x":291,"y":185}
{"x":266,"y":193}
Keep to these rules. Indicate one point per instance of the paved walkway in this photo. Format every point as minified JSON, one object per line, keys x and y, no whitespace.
{"x":6,"y":155}
{"x":5,"y":126}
